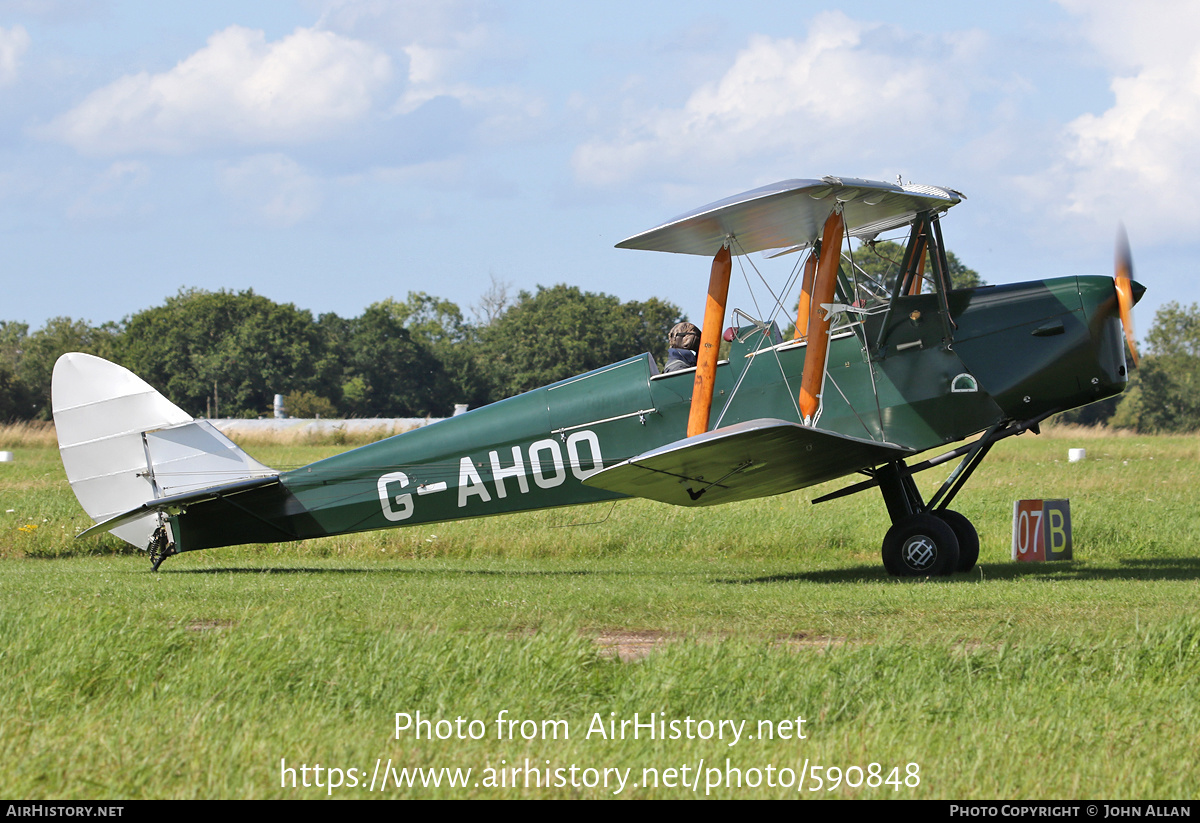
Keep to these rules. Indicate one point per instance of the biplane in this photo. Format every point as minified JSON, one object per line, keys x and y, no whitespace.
{"x":875,"y":375}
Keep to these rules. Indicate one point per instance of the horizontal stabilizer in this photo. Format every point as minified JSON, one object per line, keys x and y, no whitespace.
{"x":740,"y":462}
{"x":179,"y":502}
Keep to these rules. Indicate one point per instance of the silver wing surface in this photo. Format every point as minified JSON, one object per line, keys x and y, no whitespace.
{"x":792,"y":213}
{"x":740,"y":462}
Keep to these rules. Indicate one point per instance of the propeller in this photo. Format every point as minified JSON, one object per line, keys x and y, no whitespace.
{"x":1123,"y":279}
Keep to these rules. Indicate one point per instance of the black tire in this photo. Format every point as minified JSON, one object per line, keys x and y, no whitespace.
{"x":920,"y":545}
{"x":968,"y":538}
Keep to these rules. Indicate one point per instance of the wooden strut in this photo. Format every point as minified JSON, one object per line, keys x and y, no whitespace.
{"x":813,"y":378}
{"x":919,"y":278}
{"x":806,"y":288}
{"x":710,"y":343}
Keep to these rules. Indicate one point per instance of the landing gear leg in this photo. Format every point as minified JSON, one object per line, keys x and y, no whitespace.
{"x":160,"y":547}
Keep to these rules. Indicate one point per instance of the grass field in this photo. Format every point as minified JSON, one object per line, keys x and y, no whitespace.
{"x":234,"y":672}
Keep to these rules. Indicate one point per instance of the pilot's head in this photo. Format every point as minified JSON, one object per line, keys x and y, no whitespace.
{"x":684,"y":336}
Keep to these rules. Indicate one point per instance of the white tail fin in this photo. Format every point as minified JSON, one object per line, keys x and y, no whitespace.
{"x":123,"y":444}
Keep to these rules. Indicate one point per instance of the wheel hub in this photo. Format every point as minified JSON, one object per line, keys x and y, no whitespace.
{"x":919,"y":552}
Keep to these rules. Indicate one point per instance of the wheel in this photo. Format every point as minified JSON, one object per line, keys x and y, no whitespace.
{"x":920,"y":545}
{"x":968,"y":538}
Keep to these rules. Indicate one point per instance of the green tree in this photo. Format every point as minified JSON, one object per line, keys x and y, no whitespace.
{"x":1176,"y":331}
{"x":1164,"y":392}
{"x":430,"y":320}
{"x":226,"y":352}
{"x":40,"y":350}
{"x":13,"y":339}
{"x":1093,"y":414}
{"x":439,"y":325}
{"x":305,"y":404}
{"x":388,"y":373}
{"x":17,"y":401}
{"x":562,"y":331}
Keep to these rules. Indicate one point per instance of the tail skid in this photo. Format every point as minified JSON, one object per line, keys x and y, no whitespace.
{"x":129,"y":453}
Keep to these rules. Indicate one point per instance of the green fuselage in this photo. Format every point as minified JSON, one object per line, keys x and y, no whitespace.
{"x":915,"y":377}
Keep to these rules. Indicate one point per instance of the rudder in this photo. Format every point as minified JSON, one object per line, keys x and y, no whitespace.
{"x":123,"y":444}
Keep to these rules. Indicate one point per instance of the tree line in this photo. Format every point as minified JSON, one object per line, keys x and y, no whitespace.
{"x":226,"y":354}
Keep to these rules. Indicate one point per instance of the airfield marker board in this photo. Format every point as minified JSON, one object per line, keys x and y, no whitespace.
{"x":1041,"y":530}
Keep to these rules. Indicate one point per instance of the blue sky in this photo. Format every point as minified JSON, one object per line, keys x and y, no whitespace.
{"x":332,"y":154}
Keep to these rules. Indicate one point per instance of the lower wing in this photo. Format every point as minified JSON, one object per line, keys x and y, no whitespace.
{"x":757,"y":458}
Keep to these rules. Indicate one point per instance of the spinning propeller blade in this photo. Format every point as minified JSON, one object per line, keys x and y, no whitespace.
{"x":1123,"y":278}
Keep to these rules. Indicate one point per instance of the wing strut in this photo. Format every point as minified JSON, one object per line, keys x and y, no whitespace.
{"x":710,"y":342}
{"x":918,"y":276}
{"x":813,"y":379}
{"x":806,"y":289}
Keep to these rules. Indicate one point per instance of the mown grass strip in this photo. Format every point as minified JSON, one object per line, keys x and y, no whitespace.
{"x":1015,"y":681}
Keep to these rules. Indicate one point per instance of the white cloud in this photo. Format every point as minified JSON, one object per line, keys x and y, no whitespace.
{"x":1138,"y":157}
{"x":14,"y":43}
{"x":237,"y":89}
{"x":1130,"y":34}
{"x":448,"y":45}
{"x":379,"y":76}
{"x":271,"y":189}
{"x":848,"y":89}
{"x":435,"y":69}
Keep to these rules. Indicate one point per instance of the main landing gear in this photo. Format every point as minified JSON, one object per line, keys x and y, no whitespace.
{"x":930,"y":543}
{"x":928,"y":539}
{"x":923,"y":541}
